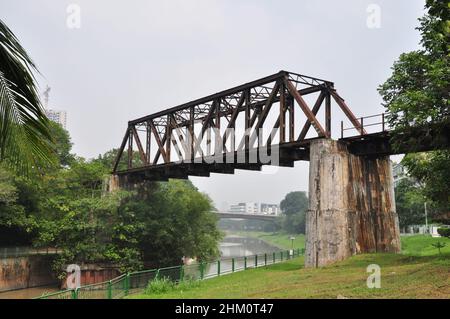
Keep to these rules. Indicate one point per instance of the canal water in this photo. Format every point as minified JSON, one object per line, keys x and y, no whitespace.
{"x":28,"y":293}
{"x":256,"y":251}
{"x":237,"y":246}
{"x":230,"y":247}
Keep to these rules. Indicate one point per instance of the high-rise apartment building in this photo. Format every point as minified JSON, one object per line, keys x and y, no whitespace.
{"x":59,"y":117}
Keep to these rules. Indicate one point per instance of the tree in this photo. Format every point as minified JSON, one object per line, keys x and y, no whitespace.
{"x":294,"y":202}
{"x":109,"y":158}
{"x":416,"y":94}
{"x":417,"y":91}
{"x":25,"y":139}
{"x":409,"y":202}
{"x":62,"y":144}
{"x":176,"y":220}
{"x":16,"y":228}
{"x":294,"y":207}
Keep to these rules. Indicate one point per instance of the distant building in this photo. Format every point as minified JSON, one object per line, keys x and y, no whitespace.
{"x":255,"y":208}
{"x":399,"y":172}
{"x":59,"y":117}
{"x":56,"y":116}
{"x":244,"y":208}
{"x":270,"y":209}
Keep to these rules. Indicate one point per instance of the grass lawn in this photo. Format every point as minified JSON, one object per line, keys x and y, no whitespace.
{"x":418,"y":273}
{"x":420,"y":245}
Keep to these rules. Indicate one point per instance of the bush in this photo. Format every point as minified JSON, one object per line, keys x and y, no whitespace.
{"x":444,"y":232}
{"x":159,"y":286}
{"x":164,"y":285}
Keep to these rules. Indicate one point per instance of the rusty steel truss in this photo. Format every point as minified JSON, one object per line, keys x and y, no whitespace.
{"x":203,"y":136}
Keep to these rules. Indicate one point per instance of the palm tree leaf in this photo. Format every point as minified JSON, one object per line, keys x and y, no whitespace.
{"x":25,"y":137}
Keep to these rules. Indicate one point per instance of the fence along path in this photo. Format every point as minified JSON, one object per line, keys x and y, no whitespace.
{"x":137,"y":281}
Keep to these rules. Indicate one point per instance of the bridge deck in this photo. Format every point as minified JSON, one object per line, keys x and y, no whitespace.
{"x":247,"y":216}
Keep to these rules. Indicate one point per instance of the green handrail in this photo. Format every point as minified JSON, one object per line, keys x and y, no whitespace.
{"x":109,"y":290}
{"x":218,"y":268}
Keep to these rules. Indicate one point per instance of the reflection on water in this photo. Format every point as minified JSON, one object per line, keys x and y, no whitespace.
{"x":235,"y":246}
{"x":27,"y":293}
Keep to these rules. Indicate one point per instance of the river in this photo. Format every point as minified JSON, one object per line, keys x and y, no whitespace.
{"x":237,"y":246}
{"x":230,"y":247}
{"x":233,"y":247}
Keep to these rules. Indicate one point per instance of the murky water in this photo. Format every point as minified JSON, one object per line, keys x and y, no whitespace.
{"x":27,"y":293}
{"x":236,"y":246}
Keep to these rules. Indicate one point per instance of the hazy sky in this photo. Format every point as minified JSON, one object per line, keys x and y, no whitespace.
{"x":133,"y":58}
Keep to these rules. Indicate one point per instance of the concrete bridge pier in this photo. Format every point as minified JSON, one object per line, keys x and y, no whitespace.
{"x":113,"y":183}
{"x":351,"y":205}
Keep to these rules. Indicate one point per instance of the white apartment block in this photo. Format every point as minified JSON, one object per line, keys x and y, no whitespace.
{"x":255,"y":208}
{"x":270,"y":209}
{"x":245,"y":208}
{"x":59,"y":117}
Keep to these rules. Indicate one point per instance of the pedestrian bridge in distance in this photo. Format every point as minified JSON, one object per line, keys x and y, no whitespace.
{"x":246,"y":216}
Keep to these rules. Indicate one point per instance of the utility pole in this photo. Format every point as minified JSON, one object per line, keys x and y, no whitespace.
{"x":46,"y":96}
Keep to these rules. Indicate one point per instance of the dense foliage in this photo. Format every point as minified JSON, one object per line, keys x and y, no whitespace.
{"x":409,"y":202}
{"x":417,"y":95}
{"x":294,"y":207}
{"x":445,"y":232}
{"x":66,"y":206}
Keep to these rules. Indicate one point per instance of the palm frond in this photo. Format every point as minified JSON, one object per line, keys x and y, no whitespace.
{"x":24,"y":130}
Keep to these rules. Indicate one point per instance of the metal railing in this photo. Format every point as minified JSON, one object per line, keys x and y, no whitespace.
{"x":136,"y":282}
{"x":8,"y":252}
{"x":377,"y":120}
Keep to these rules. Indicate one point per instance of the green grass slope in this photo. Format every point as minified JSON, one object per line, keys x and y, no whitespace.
{"x":420,"y":272}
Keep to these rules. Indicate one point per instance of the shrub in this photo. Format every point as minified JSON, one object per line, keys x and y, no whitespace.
{"x":164,"y":285}
{"x":438,"y":245}
{"x":444,"y":232}
{"x":159,"y":286}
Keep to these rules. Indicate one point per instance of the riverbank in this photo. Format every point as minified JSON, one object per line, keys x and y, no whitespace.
{"x":402,"y":276}
{"x":279,"y":239}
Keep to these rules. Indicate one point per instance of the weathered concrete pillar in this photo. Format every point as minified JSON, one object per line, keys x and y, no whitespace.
{"x":113,"y":183}
{"x":351,"y":205}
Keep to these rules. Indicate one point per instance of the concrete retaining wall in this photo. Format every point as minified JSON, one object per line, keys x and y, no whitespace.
{"x":26,"y":272}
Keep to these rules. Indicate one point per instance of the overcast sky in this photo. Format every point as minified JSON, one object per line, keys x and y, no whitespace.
{"x":133,"y":58}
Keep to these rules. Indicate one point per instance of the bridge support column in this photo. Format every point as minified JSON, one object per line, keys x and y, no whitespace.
{"x":351,"y":205}
{"x":113,"y":183}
